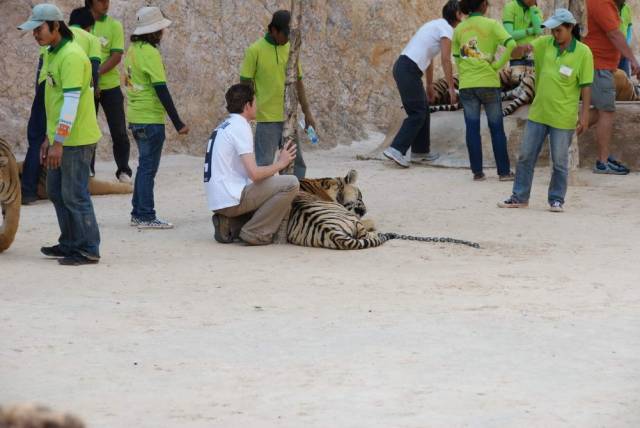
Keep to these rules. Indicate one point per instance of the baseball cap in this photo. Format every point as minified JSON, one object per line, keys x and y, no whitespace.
{"x":560,"y":16}
{"x":40,"y":14}
{"x":281,"y":20}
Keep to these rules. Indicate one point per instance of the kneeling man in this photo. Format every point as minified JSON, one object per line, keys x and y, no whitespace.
{"x":248,"y":201}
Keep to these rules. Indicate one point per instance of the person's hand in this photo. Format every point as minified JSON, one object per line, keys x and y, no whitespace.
{"x":583,"y":125}
{"x":54,"y":156}
{"x":309,"y":121}
{"x":431,"y":94}
{"x":184,"y":130}
{"x":635,"y":69}
{"x":287,"y":155}
{"x":96,"y":93}
{"x":453,"y":96}
{"x":44,"y":148}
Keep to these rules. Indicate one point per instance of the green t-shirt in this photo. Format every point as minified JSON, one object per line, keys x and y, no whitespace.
{"x":111,"y":36}
{"x":87,"y":41}
{"x":144,"y":70}
{"x":560,"y":77}
{"x":627,"y":19}
{"x":518,"y":14}
{"x":266,"y":64}
{"x":69,"y":69}
{"x":475,"y":42}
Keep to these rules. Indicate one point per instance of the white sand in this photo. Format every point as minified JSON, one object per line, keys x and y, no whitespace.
{"x":539,"y":328}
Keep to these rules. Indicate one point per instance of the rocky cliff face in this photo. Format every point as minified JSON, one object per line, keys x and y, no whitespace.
{"x":348,"y":50}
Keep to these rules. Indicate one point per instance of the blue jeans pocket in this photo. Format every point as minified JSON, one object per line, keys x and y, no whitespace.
{"x":139,"y":132}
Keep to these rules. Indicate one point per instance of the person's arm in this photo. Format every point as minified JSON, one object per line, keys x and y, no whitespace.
{"x":428,"y":74}
{"x":95,"y":71}
{"x":447,"y":67}
{"x":583,"y":120}
{"x":509,"y":45}
{"x":258,"y":173}
{"x":304,"y":104}
{"x":39,"y":69}
{"x":248,"y":67}
{"x":167,"y":102}
{"x":111,"y":62}
{"x":618,"y":40}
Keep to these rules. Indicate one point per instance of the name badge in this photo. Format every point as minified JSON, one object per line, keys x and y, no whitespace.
{"x":103,"y":41}
{"x":566,"y":71}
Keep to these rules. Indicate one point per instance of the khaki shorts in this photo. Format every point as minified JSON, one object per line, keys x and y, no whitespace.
{"x":603,"y":91}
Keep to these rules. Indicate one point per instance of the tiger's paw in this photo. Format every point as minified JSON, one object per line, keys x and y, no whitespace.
{"x":369,"y":224}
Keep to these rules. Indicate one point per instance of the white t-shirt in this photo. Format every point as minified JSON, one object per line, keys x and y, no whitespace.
{"x":425,"y":44}
{"x":224,"y":174}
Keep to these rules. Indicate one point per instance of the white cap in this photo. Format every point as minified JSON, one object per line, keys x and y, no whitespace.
{"x":149,"y":20}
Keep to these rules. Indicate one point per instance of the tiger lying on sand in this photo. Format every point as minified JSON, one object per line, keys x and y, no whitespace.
{"x":328,"y":213}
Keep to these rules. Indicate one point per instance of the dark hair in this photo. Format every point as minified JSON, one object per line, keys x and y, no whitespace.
{"x":575,"y":30}
{"x":238,"y":96}
{"x":450,"y":11}
{"x":82,"y":16}
{"x":152,"y":38}
{"x":280,"y":21}
{"x":469,"y":6}
{"x":65,"y":32}
{"x":88,"y":3}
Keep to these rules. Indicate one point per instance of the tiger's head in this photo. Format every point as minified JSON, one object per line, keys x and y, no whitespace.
{"x":338,"y":189}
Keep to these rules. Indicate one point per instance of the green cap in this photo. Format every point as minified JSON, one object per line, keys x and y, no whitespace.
{"x":40,"y":14}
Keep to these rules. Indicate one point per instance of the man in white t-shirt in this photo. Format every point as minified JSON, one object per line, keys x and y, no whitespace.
{"x":249,"y":201}
{"x":432,"y":38}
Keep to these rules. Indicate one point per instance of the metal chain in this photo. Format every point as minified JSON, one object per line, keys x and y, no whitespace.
{"x":431,"y":239}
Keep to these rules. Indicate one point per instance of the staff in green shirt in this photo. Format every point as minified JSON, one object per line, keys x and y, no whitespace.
{"x":111,"y":35}
{"x":626,"y":27}
{"x":72,"y":134}
{"x":564,"y":67}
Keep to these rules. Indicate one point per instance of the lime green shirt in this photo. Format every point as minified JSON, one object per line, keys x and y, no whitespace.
{"x":144,"y":70}
{"x":475,"y":43}
{"x":69,"y":69}
{"x":627,"y":19}
{"x":111,"y":36}
{"x":518,"y":14}
{"x":560,"y":77}
{"x":87,"y":41}
{"x":266,"y":64}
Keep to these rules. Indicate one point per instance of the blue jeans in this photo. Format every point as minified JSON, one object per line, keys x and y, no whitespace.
{"x":414,"y":132}
{"x":68,"y":189}
{"x":534,"y":136}
{"x":36,"y":133}
{"x":267,"y":141}
{"x":472,"y":99}
{"x":150,"y":139}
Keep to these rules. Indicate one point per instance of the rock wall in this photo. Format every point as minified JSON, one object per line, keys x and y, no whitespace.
{"x":348,"y":51}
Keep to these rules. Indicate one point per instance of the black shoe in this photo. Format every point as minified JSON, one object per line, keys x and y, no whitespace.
{"x":479,"y":176}
{"x":54,"y":251}
{"x":222,"y":230}
{"x":76,"y":260}
{"x":28,"y":200}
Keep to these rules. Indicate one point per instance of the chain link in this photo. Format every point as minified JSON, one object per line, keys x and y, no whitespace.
{"x":389,"y":236}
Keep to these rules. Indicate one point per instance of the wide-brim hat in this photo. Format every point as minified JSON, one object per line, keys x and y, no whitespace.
{"x":560,"y":16}
{"x":40,"y":14}
{"x":149,"y":20}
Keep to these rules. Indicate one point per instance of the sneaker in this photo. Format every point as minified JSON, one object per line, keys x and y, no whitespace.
{"x":155,"y":224}
{"x":135,"y":222}
{"x":512,"y":202}
{"x":54,"y":251}
{"x":479,"y":176}
{"x":509,"y":177}
{"x":424,"y":157}
{"x":125,"y":178}
{"x":608,"y":168}
{"x":28,"y":200}
{"x":395,"y":155}
{"x":222,"y":229}
{"x":77,"y":260}
{"x":616,"y":164}
{"x":556,"y":207}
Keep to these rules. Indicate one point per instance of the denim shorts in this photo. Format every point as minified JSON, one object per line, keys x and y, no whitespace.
{"x":603,"y":92}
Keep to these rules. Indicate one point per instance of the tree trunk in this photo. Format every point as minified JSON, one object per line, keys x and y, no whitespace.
{"x":290,"y":132}
{"x":10,"y":196}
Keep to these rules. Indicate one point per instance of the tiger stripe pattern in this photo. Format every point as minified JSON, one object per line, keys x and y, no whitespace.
{"x":10,"y":196}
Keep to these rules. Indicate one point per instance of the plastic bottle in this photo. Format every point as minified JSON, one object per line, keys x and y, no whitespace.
{"x":311,"y":133}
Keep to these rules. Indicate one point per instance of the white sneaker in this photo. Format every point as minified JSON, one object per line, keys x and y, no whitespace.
{"x":155,"y":224}
{"x":396,"y":156}
{"x":556,"y":207}
{"x":125,"y":178}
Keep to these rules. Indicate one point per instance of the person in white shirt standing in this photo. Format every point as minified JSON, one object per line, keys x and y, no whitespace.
{"x":432,"y":38}
{"x":249,"y":201}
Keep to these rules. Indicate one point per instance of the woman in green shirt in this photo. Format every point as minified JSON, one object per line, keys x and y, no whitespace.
{"x":148,"y":101}
{"x":475,"y":43}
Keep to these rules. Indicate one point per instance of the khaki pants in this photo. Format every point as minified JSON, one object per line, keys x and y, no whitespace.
{"x":270,"y":201}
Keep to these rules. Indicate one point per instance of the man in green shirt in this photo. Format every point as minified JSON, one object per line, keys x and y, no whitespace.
{"x":71,"y":137}
{"x":523,"y":21}
{"x":564,"y":67}
{"x":111,"y":35}
{"x":265,"y":66}
{"x":626,"y":27}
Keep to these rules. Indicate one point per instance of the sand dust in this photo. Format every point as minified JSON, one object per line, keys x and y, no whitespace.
{"x":539,"y":328}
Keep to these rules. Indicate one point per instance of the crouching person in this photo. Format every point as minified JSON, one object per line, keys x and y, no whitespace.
{"x":249,"y":201}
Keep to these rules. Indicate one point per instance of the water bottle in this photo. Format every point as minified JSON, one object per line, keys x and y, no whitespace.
{"x":311,"y":133}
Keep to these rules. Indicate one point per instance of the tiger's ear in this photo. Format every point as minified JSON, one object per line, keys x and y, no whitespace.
{"x":351,"y":177}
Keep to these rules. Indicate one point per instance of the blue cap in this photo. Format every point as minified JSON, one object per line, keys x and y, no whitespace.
{"x":40,"y":14}
{"x":560,"y":16}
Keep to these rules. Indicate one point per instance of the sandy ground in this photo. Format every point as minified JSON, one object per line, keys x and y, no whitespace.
{"x":541,"y":327}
